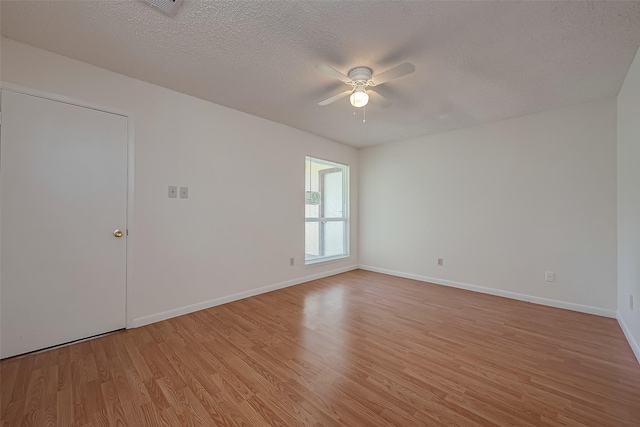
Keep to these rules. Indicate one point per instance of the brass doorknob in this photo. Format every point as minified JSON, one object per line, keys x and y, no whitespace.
{"x":117,"y":233}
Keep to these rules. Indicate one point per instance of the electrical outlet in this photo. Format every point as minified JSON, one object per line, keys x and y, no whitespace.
{"x":631,"y":302}
{"x":173,"y":191}
{"x":184,"y":192}
{"x":550,"y":276}
{"x":440,"y":262}
{"x":292,"y":262}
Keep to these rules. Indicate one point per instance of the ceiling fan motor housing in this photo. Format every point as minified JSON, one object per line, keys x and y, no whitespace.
{"x":360,"y":74}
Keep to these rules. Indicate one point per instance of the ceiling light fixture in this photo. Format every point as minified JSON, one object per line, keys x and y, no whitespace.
{"x":362,"y":83}
{"x":359,"y":98}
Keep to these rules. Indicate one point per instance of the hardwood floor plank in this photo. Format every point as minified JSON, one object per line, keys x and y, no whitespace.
{"x":200,"y":398}
{"x":8,"y":375}
{"x":64,"y":407}
{"x":14,"y":412}
{"x":146,"y":415}
{"x":356,"y":349}
{"x":115,"y":412}
{"x":19,"y":390}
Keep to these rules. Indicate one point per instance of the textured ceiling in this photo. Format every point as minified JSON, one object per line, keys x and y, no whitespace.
{"x":475,"y":61}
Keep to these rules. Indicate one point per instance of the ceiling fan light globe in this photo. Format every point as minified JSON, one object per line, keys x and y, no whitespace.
{"x":359,"y":99}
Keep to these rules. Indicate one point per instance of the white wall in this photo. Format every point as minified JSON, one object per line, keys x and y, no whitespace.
{"x":502,"y":203}
{"x":629,"y":204}
{"x":245,"y":214}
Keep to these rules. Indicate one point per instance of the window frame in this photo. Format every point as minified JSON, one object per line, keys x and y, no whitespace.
{"x":321,"y":220}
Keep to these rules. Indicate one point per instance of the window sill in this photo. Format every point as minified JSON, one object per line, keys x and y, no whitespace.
{"x":316,"y":262}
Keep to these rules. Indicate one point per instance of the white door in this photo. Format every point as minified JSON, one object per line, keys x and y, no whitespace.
{"x":63,"y":183}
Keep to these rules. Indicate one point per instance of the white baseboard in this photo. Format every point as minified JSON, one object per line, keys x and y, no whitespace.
{"x":152,"y":318}
{"x":630,"y":339}
{"x":491,"y":291}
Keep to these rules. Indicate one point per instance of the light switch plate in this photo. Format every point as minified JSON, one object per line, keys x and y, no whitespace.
{"x":173,"y":191}
{"x":184,"y":192}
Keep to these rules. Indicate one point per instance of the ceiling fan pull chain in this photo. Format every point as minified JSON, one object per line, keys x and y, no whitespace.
{"x":364,"y":114}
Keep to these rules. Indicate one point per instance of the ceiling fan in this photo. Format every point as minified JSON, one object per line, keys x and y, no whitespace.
{"x":363,"y":83}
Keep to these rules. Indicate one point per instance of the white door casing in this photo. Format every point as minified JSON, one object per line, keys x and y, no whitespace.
{"x":63,"y":180}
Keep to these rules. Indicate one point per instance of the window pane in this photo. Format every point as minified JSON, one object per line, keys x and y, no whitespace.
{"x":313,"y":178}
{"x":334,"y":238}
{"x":312,"y":204}
{"x":332,"y":194}
{"x":311,"y":240}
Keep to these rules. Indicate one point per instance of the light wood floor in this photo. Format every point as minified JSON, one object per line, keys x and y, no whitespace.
{"x":357,"y":349}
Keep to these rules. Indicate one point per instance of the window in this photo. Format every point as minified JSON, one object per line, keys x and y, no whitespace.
{"x":326,"y":203}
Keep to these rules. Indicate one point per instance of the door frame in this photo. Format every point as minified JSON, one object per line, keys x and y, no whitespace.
{"x":129,"y":226}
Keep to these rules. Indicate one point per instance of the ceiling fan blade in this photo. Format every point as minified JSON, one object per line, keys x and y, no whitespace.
{"x":393,"y":73}
{"x":378,"y":99}
{"x":332,"y":72}
{"x":334,"y":98}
